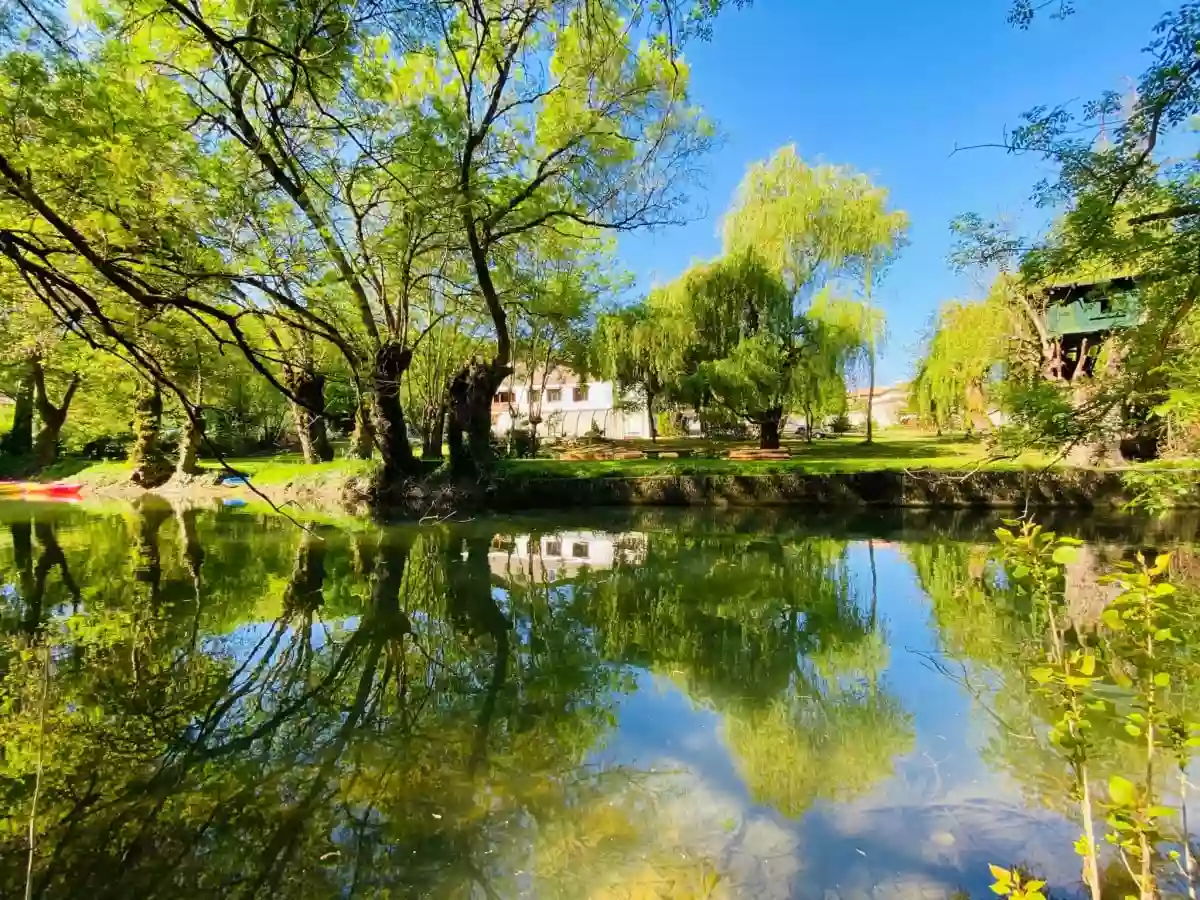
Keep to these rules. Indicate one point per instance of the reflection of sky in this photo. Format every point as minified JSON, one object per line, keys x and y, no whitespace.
{"x":928,"y":829}
{"x":925,"y":832}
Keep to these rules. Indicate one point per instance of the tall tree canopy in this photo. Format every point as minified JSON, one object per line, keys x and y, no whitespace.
{"x":1126,"y":209}
{"x":320,"y":186}
{"x":772,"y":324}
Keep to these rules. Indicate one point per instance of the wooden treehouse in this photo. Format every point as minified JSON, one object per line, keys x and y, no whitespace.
{"x":1081,"y":321}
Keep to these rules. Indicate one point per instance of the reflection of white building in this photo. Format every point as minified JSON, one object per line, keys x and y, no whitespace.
{"x":554,"y":557}
{"x":568,"y":405}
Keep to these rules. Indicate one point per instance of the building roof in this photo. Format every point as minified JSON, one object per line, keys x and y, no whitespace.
{"x":862,"y":393}
{"x":556,"y":376}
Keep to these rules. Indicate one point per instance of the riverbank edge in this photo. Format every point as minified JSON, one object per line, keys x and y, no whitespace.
{"x":338,"y":493}
{"x":895,"y":489}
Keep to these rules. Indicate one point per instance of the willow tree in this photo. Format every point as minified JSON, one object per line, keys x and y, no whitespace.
{"x":968,"y":342}
{"x":741,"y":335}
{"x":635,"y":349}
{"x":814,"y":225}
{"x":731,"y":334}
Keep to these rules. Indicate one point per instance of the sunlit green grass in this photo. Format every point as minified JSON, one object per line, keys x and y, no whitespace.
{"x":889,"y":452}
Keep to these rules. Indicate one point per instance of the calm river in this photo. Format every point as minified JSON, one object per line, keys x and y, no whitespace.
{"x":212,"y":704}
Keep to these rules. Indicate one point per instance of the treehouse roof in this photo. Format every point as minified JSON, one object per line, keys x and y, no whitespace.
{"x":1095,"y":307}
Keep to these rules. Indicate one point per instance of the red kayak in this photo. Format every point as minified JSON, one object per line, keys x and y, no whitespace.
{"x":55,"y":490}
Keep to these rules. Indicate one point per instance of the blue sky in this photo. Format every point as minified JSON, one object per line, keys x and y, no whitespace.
{"x":891,"y":88}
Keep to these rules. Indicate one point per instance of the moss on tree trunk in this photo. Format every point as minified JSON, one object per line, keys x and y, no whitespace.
{"x":391,"y":362}
{"x":19,"y":439}
{"x":150,"y":465}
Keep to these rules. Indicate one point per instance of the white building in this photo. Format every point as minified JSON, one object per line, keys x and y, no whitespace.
{"x":888,"y":406}
{"x":555,"y":557}
{"x":568,"y":405}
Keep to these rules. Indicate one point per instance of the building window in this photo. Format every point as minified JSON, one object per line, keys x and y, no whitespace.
{"x":554,"y":395}
{"x":553,"y":548}
{"x":580,"y":393}
{"x":503,"y":397}
{"x":579,"y":549}
{"x":535,"y":397}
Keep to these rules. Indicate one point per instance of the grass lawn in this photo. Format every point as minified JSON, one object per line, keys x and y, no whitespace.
{"x":892,"y":449}
{"x":280,"y":468}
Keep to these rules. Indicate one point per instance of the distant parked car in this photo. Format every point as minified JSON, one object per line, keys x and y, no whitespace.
{"x":802,"y":432}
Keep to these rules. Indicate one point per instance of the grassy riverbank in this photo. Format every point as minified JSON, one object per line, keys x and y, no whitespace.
{"x":900,"y":469}
{"x":892,"y":451}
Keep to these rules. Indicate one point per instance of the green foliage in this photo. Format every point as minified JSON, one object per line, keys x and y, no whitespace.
{"x":968,"y":344}
{"x":1015,"y":884}
{"x":1117,"y":681}
{"x":762,"y":330}
{"x":333,"y":195}
{"x":1125,"y":209}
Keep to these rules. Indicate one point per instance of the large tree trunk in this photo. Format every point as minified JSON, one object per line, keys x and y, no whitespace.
{"x":189,"y":446}
{"x":650,"y":415}
{"x":471,"y":395}
{"x":768,"y":432}
{"x":362,"y":441}
{"x":45,"y":445}
{"x":435,"y":432}
{"x":309,"y":414}
{"x":150,"y":466}
{"x":391,"y":361}
{"x":19,"y":440}
{"x":472,"y":403}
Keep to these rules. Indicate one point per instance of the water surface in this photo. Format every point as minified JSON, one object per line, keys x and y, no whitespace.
{"x":212,"y":704}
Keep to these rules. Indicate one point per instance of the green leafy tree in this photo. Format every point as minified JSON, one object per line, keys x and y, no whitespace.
{"x":969,"y":343}
{"x":1126,"y":209}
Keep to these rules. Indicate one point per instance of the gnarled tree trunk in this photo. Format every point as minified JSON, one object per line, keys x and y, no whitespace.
{"x":19,"y":439}
{"x":362,"y":441}
{"x":768,"y":430}
{"x":150,"y":466}
{"x":309,"y":414}
{"x":471,"y":395}
{"x":391,"y":362}
{"x":187,"y":462}
{"x":45,"y":445}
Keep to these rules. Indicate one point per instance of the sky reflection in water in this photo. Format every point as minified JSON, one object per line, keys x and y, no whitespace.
{"x":675,"y":705}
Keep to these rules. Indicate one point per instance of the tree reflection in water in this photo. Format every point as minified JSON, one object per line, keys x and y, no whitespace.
{"x":215,"y":705}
